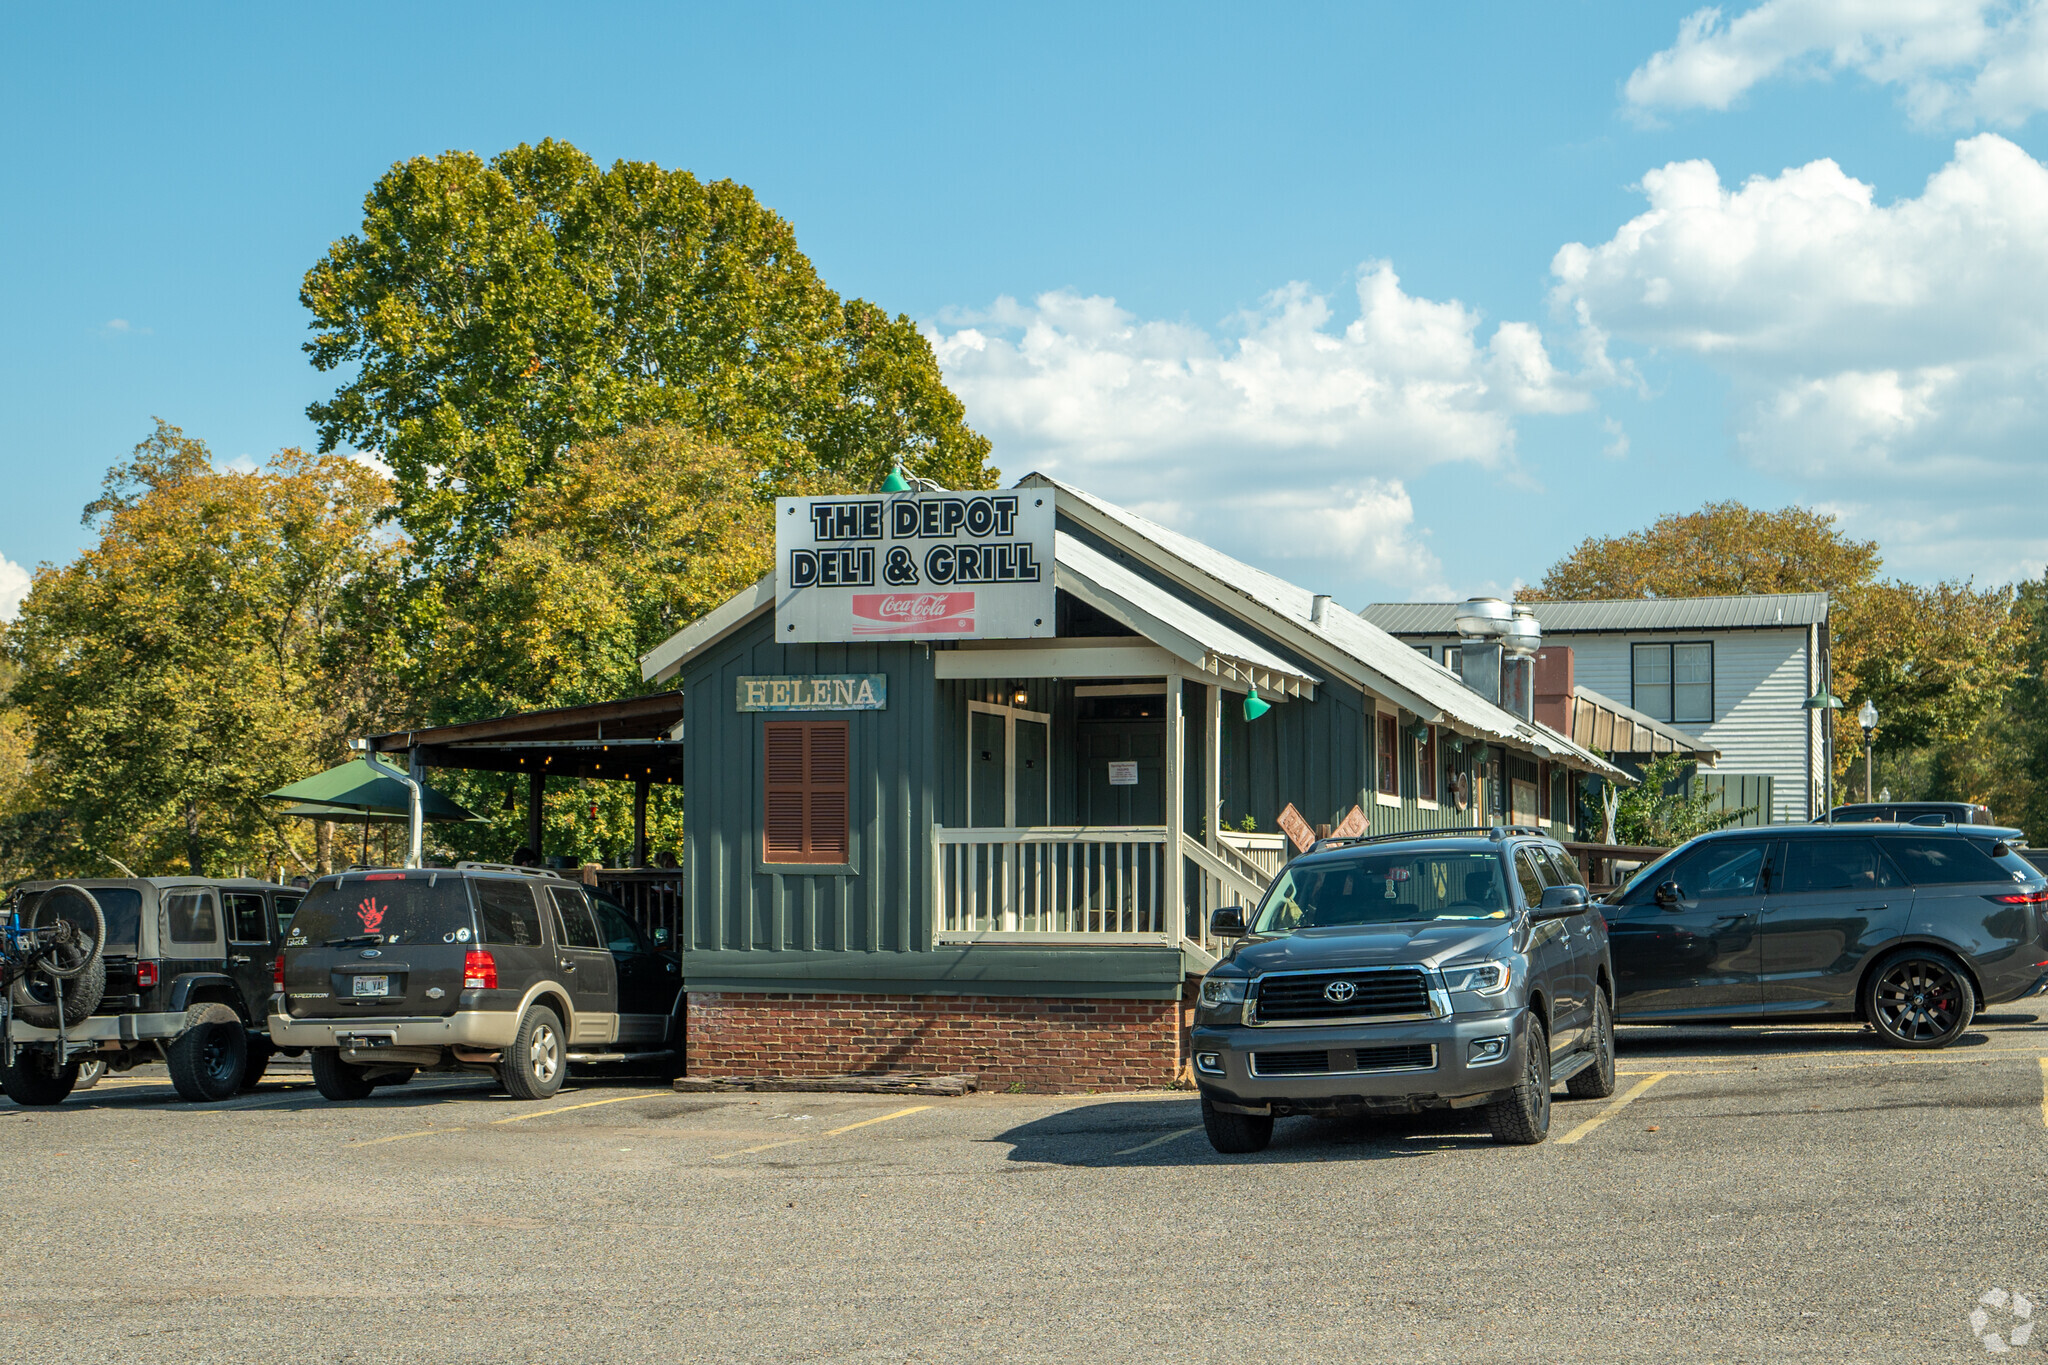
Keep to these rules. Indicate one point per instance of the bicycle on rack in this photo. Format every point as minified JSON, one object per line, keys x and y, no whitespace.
{"x":51,"y":977}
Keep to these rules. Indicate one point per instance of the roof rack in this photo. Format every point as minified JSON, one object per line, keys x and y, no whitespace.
{"x":1348,"y":841}
{"x":513,"y":868}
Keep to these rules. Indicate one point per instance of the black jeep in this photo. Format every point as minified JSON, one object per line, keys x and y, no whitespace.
{"x":188,"y":964}
{"x":1408,"y":972}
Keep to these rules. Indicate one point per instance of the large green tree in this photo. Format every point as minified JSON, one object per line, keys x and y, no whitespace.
{"x":490,"y":316}
{"x":217,"y":642}
{"x":1937,"y":660}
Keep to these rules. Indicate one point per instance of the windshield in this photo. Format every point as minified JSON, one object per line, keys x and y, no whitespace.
{"x":417,"y":908}
{"x":1385,"y":888}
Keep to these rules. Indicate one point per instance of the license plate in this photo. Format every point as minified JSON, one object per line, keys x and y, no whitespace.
{"x":373,"y":985}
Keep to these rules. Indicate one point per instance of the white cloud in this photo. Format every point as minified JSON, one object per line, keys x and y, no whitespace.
{"x":1894,"y":355}
{"x":14,"y":585}
{"x":1289,"y":430}
{"x":1953,"y":61}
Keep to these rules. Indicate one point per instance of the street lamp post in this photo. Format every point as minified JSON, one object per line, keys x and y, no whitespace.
{"x":1825,"y":701}
{"x":1866,"y":716}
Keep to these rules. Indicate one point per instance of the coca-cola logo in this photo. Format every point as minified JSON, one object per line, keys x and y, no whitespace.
{"x":913,"y":613}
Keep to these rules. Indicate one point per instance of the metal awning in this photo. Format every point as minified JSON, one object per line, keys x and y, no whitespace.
{"x":1605,"y":724}
{"x":639,"y":739}
{"x":1192,"y":635}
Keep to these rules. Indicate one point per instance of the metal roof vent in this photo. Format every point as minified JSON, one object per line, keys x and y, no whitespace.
{"x":1524,"y":636}
{"x":1317,"y":607}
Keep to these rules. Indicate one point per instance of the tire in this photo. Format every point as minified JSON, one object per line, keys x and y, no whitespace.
{"x":1522,"y":1116}
{"x":90,"y":1073}
{"x":260,"y":1053}
{"x":1235,"y":1134}
{"x":35,"y":1081}
{"x":1596,"y":1082}
{"x":537,"y":1061}
{"x":1919,"y":998}
{"x":210,"y":1054}
{"x":339,"y":1080}
{"x":35,"y":996}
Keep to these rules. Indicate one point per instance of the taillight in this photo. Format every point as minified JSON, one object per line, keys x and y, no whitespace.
{"x":277,"y":973}
{"x":479,"y":971}
{"x":2022,"y":898}
{"x":145,"y":975}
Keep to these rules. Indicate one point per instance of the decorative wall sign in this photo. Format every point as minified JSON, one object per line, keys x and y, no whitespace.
{"x":1295,"y":828}
{"x":1123,"y":773}
{"x":914,"y":566}
{"x":1353,"y":826}
{"x":854,"y":692}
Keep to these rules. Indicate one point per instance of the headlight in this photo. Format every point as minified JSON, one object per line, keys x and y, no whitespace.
{"x":1218,"y":991}
{"x":1479,"y":978}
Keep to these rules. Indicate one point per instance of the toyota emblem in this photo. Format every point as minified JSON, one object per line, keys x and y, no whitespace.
{"x":1337,"y":992}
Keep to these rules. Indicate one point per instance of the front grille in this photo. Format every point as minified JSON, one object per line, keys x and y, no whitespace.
{"x":1409,"y":1057}
{"x":1304,"y":998}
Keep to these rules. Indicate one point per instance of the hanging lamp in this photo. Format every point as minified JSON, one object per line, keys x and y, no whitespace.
{"x":1255,"y":705}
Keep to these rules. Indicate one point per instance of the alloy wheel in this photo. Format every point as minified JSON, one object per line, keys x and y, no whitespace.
{"x":1539,"y":1079}
{"x":544,"y":1056}
{"x":1919,"y":1000}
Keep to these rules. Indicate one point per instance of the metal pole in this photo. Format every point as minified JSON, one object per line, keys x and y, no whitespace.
{"x":1866,"y":766}
{"x":640,"y":822}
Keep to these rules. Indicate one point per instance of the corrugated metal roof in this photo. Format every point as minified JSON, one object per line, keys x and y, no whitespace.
{"x":1359,"y":650}
{"x":1183,"y":630}
{"x":1764,"y":611}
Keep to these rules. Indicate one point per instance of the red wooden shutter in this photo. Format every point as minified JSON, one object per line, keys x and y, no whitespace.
{"x":1425,"y":765}
{"x":804,"y":818}
{"x":1390,"y":756}
{"x":1542,"y":791}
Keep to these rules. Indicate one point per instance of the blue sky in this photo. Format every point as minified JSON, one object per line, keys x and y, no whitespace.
{"x":1292,"y":284}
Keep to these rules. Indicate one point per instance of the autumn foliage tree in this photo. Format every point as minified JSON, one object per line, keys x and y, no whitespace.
{"x":218,"y":641}
{"x":1938,"y":660}
{"x":491,"y":316}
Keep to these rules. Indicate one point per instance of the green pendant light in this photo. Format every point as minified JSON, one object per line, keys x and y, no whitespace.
{"x":896,"y":483}
{"x":1255,"y":706}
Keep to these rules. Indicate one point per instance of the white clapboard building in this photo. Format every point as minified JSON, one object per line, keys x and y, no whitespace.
{"x":1730,"y":674}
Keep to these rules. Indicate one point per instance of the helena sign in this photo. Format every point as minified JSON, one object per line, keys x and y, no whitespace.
{"x":914,"y":566}
{"x":856,"y":692}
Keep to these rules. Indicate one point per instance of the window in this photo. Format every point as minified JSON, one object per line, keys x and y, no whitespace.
{"x":1529,"y":877}
{"x":1555,"y":872}
{"x":1454,"y":659}
{"x":1542,"y":791}
{"x":1426,"y":764}
{"x":191,"y":917}
{"x":1835,"y":865}
{"x":508,"y":913}
{"x":1390,"y":755}
{"x":805,"y":817}
{"x":1720,"y":870}
{"x":1675,"y":682}
{"x":573,"y":922}
{"x":621,"y":934}
{"x":1935,"y":860}
{"x":1569,"y":866}
{"x":1423,"y":650}
{"x":245,"y":918}
{"x":287,"y":906}
{"x":1384,"y":888}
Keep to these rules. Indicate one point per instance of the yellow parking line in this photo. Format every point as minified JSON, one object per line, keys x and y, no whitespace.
{"x":587,"y":1104}
{"x":1976,"y":1055}
{"x":829,"y":1132}
{"x":1627,"y":1098}
{"x":2044,"y":1092}
{"x":1160,"y":1141}
{"x":401,"y":1137}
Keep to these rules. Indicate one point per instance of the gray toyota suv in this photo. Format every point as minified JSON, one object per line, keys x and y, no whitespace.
{"x":1406,"y":972}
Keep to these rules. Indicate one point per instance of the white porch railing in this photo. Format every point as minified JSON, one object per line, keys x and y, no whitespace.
{"x":1101,"y":883}
{"x":1222,"y":877}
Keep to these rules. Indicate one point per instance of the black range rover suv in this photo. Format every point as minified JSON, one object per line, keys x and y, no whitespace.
{"x":1459,"y":970}
{"x":1909,"y":928}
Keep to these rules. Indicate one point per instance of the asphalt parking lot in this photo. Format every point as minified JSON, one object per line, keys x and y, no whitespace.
{"x":1751,"y":1195}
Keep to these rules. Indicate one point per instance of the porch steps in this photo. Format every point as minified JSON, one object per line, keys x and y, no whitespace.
{"x":888,"y":1083}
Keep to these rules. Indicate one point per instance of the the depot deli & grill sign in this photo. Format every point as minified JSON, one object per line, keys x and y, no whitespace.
{"x":914,"y":566}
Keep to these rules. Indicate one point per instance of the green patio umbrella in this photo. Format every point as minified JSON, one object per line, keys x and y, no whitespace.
{"x":355,"y":792}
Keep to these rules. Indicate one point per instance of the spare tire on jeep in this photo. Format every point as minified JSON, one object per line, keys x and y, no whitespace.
{"x":35,"y":996}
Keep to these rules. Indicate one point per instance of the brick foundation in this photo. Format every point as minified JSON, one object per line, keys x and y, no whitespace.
{"x":1044,"y":1044}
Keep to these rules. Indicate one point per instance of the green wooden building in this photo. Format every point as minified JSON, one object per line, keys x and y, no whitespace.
{"x":997,"y":855}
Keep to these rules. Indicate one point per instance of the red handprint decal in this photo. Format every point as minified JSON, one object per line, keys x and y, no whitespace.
{"x":371,"y":914}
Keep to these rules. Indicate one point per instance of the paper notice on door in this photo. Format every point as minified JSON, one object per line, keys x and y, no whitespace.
{"x":1123,"y":774}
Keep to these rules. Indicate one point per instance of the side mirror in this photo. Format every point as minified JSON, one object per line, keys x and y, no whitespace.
{"x":1227,"y":922}
{"x":1669,"y":894}
{"x":1560,"y":901}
